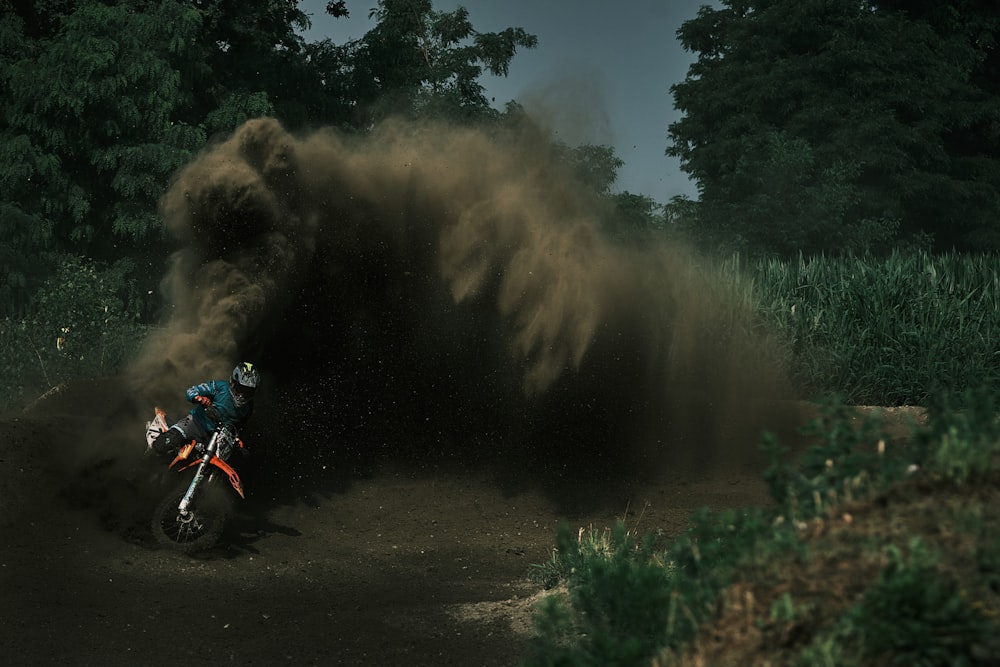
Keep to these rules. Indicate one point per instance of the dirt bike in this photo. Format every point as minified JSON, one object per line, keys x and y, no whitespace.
{"x":192,"y":516}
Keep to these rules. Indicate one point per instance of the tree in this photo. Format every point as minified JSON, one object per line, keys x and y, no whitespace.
{"x":972,"y":133}
{"x":88,"y":130}
{"x":595,"y":166}
{"x":625,"y":217}
{"x":102,"y":101}
{"x":839,"y":125}
{"x":418,"y":62}
{"x":250,"y":60}
{"x":23,"y":231}
{"x":635,"y":216}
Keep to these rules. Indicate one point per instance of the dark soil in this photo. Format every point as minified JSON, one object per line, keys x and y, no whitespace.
{"x":383,"y":560}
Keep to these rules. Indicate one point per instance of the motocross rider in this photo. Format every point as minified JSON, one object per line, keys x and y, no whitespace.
{"x":215,"y":401}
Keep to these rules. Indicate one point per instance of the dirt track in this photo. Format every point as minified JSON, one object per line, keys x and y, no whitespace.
{"x":390,"y":562}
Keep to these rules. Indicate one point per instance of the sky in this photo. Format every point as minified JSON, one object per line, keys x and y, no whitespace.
{"x":601,"y":71}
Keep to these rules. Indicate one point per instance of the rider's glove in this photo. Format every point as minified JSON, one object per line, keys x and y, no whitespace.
{"x":204,"y":400}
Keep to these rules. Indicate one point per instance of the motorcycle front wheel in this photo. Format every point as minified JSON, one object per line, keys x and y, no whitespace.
{"x":198,"y":529}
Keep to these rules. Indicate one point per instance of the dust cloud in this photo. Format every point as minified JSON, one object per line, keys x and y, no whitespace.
{"x":443,"y":279}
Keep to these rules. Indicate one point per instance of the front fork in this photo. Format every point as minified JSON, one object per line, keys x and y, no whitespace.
{"x":199,"y":476}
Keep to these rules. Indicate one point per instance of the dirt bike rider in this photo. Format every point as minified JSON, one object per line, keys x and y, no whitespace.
{"x":215,"y":401}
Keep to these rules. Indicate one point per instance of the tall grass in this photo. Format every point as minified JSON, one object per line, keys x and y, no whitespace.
{"x":890,"y":331}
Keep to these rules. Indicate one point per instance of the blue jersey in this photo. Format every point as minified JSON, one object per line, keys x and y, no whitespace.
{"x":222,"y":401}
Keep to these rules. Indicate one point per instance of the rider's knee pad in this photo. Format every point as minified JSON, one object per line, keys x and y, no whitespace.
{"x":168,"y":442}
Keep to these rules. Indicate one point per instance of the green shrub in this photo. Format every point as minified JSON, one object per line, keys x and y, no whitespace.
{"x":85,"y":322}
{"x":963,"y":435}
{"x":630,"y":599}
{"x":916,"y":615}
{"x":18,"y":361}
{"x":619,"y":591}
{"x":846,"y":464}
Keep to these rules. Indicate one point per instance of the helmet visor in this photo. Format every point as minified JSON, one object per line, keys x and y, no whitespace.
{"x":241,"y":394}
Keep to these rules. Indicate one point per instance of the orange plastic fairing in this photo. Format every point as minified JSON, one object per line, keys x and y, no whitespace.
{"x":234,"y":478}
{"x":184,"y":452}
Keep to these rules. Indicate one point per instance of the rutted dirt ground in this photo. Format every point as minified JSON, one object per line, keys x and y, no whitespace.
{"x":393,"y":562}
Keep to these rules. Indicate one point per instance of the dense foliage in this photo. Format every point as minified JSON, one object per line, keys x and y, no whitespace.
{"x":86,"y":323}
{"x":426,"y":63}
{"x":871,"y":554}
{"x":839,"y":125}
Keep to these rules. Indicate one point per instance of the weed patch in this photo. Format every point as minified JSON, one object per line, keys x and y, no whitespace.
{"x":876,"y":552}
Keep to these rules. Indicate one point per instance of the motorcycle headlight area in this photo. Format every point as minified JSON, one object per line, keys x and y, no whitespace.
{"x":226,"y":443}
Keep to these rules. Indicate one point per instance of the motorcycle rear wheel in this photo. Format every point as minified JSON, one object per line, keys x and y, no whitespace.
{"x":200,"y":528}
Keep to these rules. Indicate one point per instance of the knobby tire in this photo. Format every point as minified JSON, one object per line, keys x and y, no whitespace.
{"x":211,"y":510}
